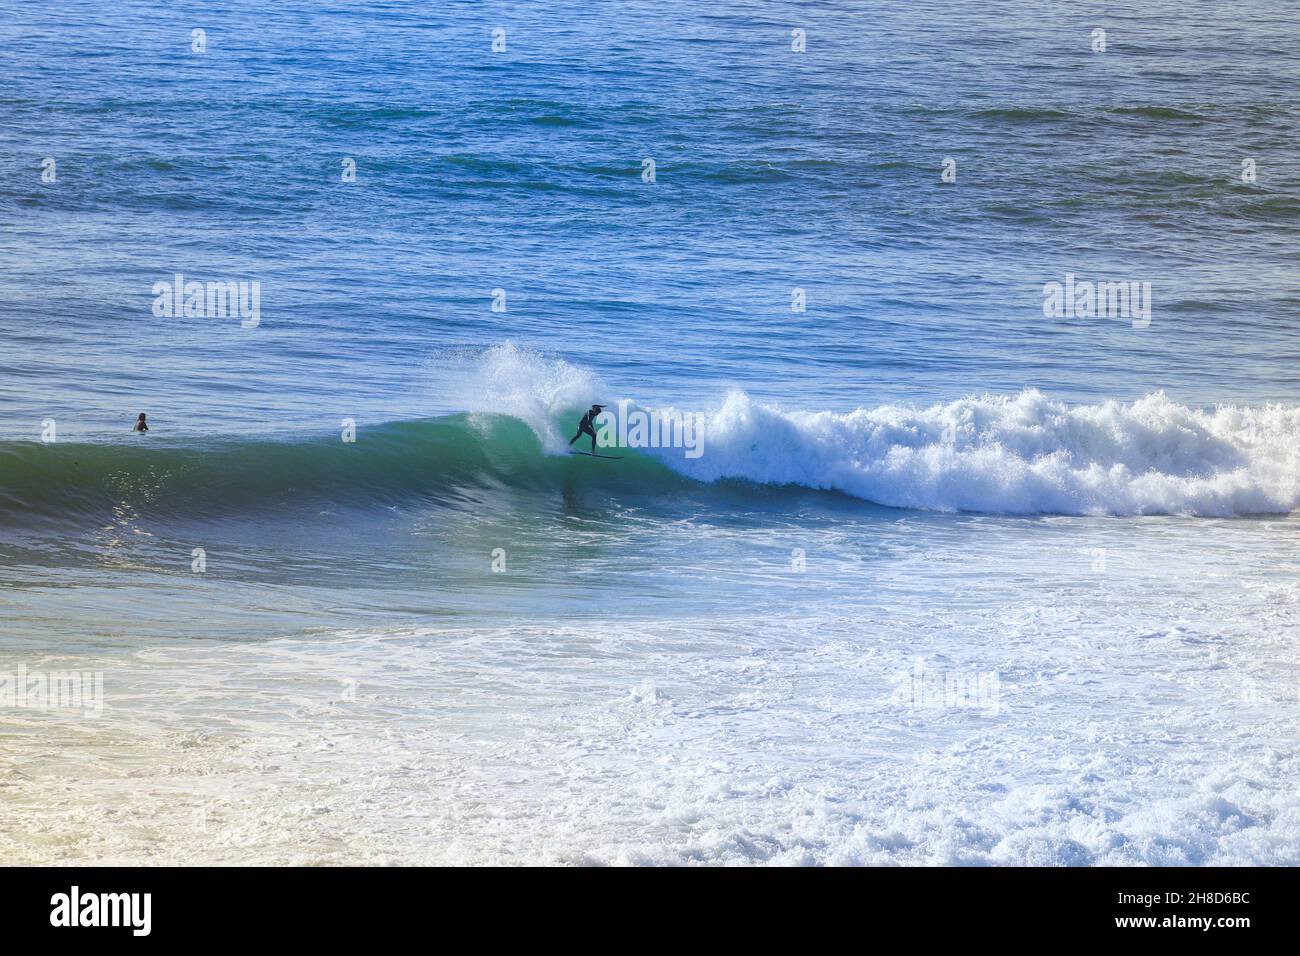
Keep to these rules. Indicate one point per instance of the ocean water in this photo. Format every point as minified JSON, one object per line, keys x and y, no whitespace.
{"x":939,"y":578}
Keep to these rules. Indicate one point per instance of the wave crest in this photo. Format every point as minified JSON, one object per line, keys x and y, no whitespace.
{"x":1020,"y":454}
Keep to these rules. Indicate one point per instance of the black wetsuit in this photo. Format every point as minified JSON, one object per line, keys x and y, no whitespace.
{"x":584,"y":428}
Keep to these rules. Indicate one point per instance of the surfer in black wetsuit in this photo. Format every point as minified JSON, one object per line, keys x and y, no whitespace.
{"x":140,"y":425}
{"x":585,"y":426}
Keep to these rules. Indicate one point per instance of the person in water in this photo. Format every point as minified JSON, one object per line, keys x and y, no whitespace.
{"x":585,"y":426}
{"x":140,"y":424}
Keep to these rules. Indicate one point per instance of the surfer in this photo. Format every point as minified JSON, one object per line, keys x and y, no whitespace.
{"x":140,"y":425}
{"x":586,"y":428}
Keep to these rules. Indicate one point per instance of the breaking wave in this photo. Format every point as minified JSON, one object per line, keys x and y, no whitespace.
{"x":1016,"y":454}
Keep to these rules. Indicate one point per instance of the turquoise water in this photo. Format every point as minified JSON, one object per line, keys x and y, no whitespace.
{"x":351,"y":599}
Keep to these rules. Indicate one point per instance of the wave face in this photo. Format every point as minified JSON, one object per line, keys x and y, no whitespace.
{"x":1020,"y":455}
{"x":445,"y":461}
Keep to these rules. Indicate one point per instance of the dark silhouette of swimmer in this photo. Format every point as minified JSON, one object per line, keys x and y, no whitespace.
{"x":140,"y":425}
{"x":585,"y":426}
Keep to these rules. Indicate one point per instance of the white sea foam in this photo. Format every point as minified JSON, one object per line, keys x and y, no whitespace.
{"x":999,"y":454}
{"x":636,"y":690}
{"x":1018,"y":454}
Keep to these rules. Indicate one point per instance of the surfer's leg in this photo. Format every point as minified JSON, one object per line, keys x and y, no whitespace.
{"x":576,"y":437}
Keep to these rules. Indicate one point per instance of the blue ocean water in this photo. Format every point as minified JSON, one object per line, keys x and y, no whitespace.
{"x":906,"y":463}
{"x":521,"y":170}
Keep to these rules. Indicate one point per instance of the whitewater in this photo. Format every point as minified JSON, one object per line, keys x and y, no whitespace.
{"x":650,"y":683}
{"x":1010,"y":454}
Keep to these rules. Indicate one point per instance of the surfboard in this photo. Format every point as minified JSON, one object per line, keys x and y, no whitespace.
{"x":590,"y":455}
